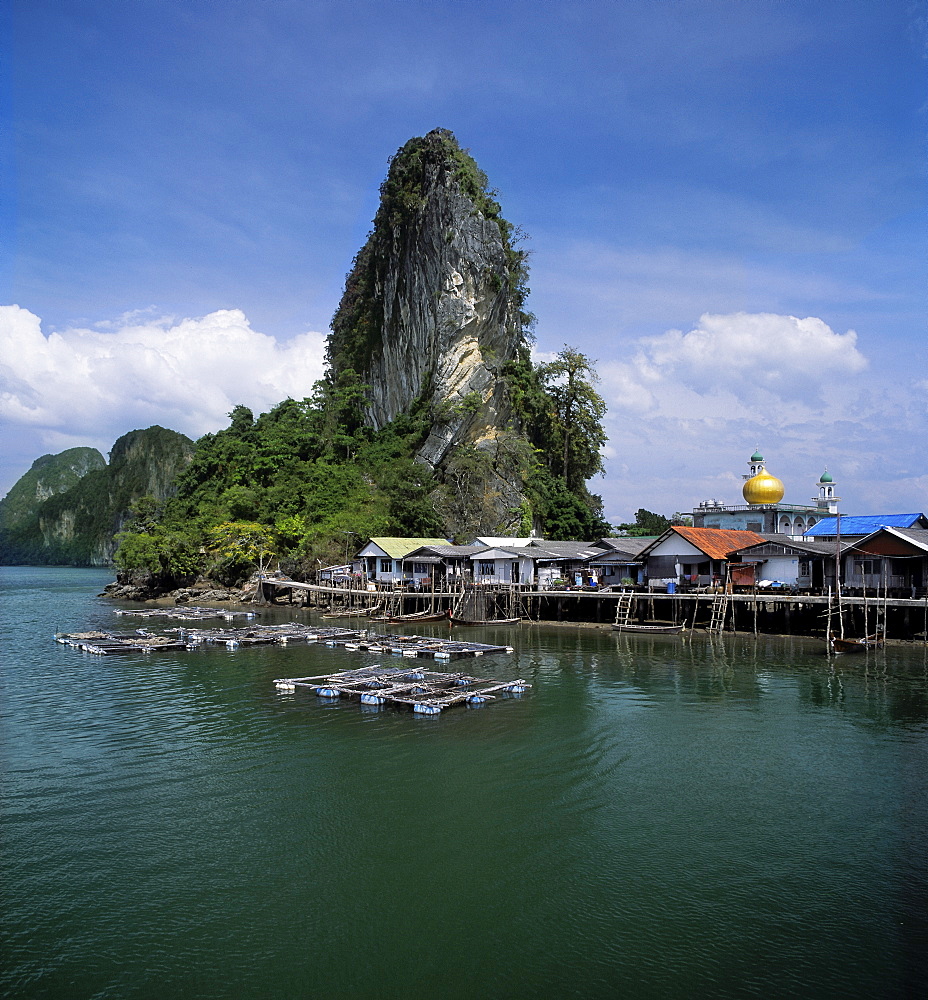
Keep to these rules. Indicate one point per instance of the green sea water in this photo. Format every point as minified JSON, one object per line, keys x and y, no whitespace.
{"x":656,"y":817}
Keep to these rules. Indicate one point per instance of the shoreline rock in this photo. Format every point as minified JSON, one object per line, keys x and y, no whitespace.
{"x":203,"y":594}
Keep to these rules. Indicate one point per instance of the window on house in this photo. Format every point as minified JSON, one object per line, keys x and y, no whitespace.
{"x":869,"y":567}
{"x":421,"y":569}
{"x":386,"y":565}
{"x":487,"y":568}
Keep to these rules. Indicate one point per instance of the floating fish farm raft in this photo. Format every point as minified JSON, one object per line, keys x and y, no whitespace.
{"x":425,"y":692}
{"x":110,"y":643}
{"x":187,"y":612}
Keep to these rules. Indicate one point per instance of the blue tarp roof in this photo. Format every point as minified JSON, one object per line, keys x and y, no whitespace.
{"x":862,"y":524}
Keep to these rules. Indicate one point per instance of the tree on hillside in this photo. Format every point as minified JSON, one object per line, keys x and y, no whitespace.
{"x":577,"y":410}
{"x":648,"y":523}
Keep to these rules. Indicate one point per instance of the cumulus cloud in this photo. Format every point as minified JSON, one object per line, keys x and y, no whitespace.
{"x":780,"y":353}
{"x":687,"y":408}
{"x":87,"y":386}
{"x":734,"y":358}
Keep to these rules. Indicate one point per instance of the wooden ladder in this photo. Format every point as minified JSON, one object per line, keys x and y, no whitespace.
{"x":719,"y":612}
{"x":623,"y":609}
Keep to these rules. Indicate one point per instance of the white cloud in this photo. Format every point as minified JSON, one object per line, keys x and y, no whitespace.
{"x":738,"y":364}
{"x":780,"y":353}
{"x":89,"y":386}
{"x":687,"y":409}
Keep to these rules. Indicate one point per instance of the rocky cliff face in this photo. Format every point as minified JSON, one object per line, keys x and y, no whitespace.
{"x":76,"y":526}
{"x":433,"y":304}
{"x":49,"y":476}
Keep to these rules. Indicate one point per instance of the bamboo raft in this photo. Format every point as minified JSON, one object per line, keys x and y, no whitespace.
{"x":111,"y":643}
{"x":425,"y":692}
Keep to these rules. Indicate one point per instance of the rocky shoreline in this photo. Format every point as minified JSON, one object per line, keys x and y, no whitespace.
{"x":200,"y":593}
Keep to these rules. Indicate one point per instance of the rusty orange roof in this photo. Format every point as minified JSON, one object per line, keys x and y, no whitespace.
{"x":717,"y":543}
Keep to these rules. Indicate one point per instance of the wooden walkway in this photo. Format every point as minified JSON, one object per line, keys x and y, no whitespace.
{"x":773,"y":597}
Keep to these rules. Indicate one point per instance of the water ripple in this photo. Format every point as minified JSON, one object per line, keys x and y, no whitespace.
{"x":695,"y":819}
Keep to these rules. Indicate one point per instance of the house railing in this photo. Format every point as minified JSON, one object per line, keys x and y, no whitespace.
{"x":875,"y":581}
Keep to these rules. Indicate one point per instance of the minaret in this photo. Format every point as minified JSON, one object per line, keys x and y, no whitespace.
{"x":755,"y":463}
{"x":827,"y":499}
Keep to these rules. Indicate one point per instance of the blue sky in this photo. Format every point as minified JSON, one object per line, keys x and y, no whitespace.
{"x":725,"y":204}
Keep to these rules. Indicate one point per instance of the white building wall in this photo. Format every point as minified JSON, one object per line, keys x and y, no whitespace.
{"x":784,"y":569}
{"x":502,"y":568}
{"x":678,"y":545}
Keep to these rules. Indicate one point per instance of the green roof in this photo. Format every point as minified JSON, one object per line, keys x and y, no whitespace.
{"x":397,"y":548}
{"x":757,"y":457}
{"x":826,"y":478}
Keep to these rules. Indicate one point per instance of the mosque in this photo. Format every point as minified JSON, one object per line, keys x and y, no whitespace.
{"x":763,"y":510}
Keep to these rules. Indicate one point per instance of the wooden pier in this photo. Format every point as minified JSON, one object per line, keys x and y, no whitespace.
{"x":759,"y":611}
{"x":425,"y":692}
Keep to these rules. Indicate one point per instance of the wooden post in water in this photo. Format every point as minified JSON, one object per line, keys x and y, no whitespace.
{"x":885,"y":604}
{"x":838,"y":570}
{"x":863,"y":591}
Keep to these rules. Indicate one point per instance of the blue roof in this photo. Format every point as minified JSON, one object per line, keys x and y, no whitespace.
{"x":863,"y":524}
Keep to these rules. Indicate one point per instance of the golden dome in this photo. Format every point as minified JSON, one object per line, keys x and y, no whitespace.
{"x":763,"y":488}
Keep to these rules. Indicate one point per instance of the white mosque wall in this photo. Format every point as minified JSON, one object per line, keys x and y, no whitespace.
{"x":769,"y":520}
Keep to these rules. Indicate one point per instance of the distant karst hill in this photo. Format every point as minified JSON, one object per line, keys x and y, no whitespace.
{"x":68,"y":507}
{"x":49,"y":476}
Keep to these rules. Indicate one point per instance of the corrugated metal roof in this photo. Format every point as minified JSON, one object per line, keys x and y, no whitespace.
{"x":864,"y":524}
{"x":397,"y":548}
{"x":716,"y":543}
{"x":447,"y":551}
{"x":917,"y":536}
{"x":813,"y":548}
{"x":505,"y":541}
{"x":614,"y":557}
{"x":578,"y":550}
{"x":514,"y":551}
{"x":628,"y":544}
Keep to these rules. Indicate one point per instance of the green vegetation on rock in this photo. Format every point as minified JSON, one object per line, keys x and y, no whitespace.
{"x":49,"y":475}
{"x":77,"y":526}
{"x":501,"y":446}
